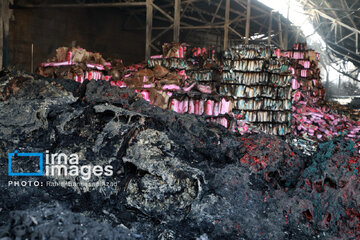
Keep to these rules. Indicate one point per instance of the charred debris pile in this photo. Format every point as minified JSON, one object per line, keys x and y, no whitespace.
{"x":182,"y":176}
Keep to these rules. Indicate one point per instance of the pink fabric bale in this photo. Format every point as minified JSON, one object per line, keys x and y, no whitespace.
{"x":209,"y":110}
{"x":174,"y":105}
{"x":171,"y":87}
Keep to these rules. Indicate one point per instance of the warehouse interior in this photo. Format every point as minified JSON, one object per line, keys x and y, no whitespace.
{"x":179,"y":119}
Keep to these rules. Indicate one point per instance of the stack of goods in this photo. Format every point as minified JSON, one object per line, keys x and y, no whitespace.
{"x":170,"y":90}
{"x":306,"y":74}
{"x":321,"y":123}
{"x":261,"y":86}
{"x":313,"y":118}
{"x":77,"y":64}
{"x":174,"y":57}
{"x":198,"y":64}
{"x":203,"y":67}
{"x":200,"y":70}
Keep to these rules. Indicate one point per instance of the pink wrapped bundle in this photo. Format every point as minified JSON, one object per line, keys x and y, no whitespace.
{"x":278,"y":52}
{"x":55,"y":64}
{"x":185,"y":106}
{"x":296,"y":96}
{"x":156,"y":57}
{"x":304,"y":73}
{"x":286,"y":54}
{"x":310,"y":126}
{"x":183,"y":73}
{"x":243,"y":129}
{"x":191,"y":106}
{"x":78,"y":78}
{"x":180,"y":106}
{"x":188,"y":88}
{"x":120,"y":84}
{"x":224,"y":106}
{"x":108,"y":64}
{"x":298,"y":55}
{"x":93,"y":75}
{"x":201,"y":107}
{"x":204,"y":88}
{"x":295,"y":84}
{"x":216,"y":109}
{"x":169,"y":94}
{"x":174,"y":105}
{"x":292,"y":70}
{"x":150,"y":85}
{"x":224,"y":122}
{"x":198,"y":52}
{"x":97,"y":66}
{"x":69,"y":56}
{"x":181,"y":52}
{"x":171,"y":87}
{"x":107,"y":77}
{"x":197,"y":107}
{"x":209,"y":109}
{"x":145,"y":95}
{"x":203,"y":51}
{"x":307,"y":64}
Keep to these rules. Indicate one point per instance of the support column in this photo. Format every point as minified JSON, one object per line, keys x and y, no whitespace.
{"x":286,"y":37}
{"x":357,"y":43}
{"x":248,"y":15}
{"x":177,"y":7}
{"x":5,"y":15}
{"x":270,"y":28}
{"x":1,"y":33}
{"x":226,"y":26}
{"x":280,"y":32}
{"x":149,"y":19}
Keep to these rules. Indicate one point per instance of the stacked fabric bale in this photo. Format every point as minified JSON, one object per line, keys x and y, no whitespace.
{"x":197,"y":94}
{"x":306,"y":74}
{"x":203,"y":66}
{"x":77,"y":64}
{"x":261,"y":86}
{"x":313,"y":117}
{"x":198,"y":64}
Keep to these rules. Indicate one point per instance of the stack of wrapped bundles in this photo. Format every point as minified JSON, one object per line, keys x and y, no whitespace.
{"x":173,"y":57}
{"x":313,"y":117}
{"x":77,"y":64}
{"x":203,"y":66}
{"x":260,"y":83}
{"x":198,"y":64}
{"x":197,"y":92}
{"x":305,"y":71}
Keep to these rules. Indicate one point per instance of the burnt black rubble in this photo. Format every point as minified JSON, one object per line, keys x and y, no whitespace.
{"x":178,"y":177}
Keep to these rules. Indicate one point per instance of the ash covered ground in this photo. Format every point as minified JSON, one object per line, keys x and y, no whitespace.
{"x":177,"y":176}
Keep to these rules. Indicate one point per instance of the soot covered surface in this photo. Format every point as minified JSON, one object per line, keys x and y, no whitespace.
{"x":177,"y":176}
